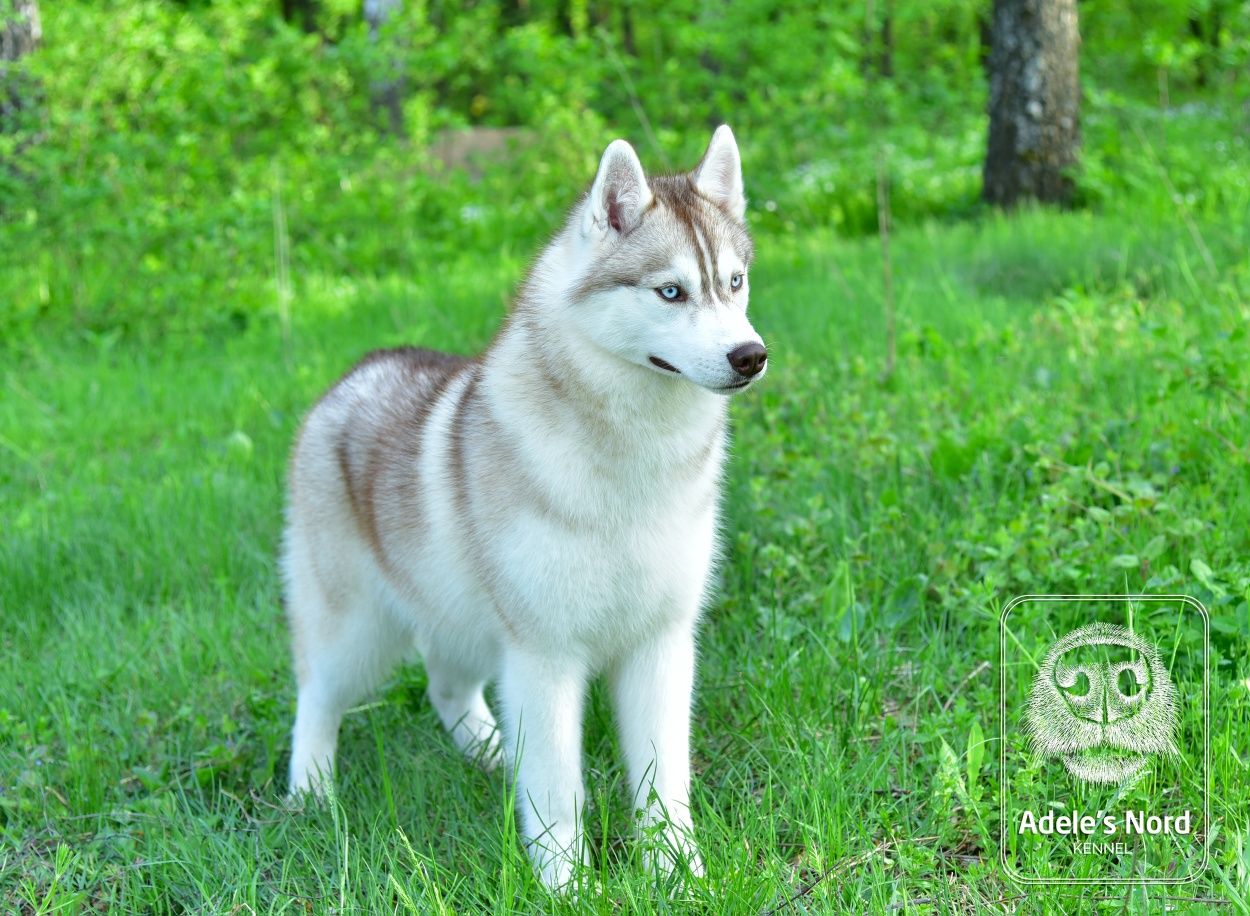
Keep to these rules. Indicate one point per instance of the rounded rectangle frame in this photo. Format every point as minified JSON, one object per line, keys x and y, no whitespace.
{"x":1011,"y":605}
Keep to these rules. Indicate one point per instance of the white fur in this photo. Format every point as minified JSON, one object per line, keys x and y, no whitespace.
{"x":606,"y":573}
{"x":619,"y":184}
{"x":719,"y":175}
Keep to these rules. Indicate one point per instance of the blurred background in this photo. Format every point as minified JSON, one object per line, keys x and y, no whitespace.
{"x":158,"y":134}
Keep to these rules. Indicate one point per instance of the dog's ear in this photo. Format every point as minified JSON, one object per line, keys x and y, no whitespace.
{"x":620,"y":193}
{"x":719,"y":175}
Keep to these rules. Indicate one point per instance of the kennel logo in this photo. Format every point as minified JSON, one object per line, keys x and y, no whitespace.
{"x":1104,"y":739}
{"x":1103,"y":703}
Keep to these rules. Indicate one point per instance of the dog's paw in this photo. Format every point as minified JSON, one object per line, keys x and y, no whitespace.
{"x":487,"y":753}
{"x":559,"y":868}
{"x":672,"y":853}
{"x":311,"y":789}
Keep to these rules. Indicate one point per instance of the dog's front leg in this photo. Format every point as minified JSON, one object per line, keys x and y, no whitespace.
{"x":652,"y":689}
{"x":543,"y":703}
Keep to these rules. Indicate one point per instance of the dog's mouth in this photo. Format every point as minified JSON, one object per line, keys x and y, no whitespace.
{"x":666,"y":366}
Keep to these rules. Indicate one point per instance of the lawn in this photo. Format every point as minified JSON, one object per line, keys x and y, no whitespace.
{"x":1067,"y":414}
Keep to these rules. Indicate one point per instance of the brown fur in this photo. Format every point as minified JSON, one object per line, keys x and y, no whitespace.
{"x":390,"y":452}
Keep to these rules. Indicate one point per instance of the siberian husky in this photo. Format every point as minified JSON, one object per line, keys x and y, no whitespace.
{"x":543,"y":513}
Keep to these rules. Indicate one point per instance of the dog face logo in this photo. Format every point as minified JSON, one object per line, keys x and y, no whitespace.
{"x":1102,"y":702}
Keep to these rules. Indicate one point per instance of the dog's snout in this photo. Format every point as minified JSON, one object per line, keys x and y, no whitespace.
{"x":748,"y":360}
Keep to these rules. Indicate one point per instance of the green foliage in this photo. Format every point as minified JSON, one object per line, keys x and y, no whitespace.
{"x":174,"y":135}
{"x":1198,"y":42}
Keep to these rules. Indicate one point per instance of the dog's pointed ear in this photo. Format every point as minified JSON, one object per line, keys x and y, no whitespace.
{"x":620,"y":193}
{"x":719,"y":175}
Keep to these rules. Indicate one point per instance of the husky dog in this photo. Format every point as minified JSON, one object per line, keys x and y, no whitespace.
{"x":541,"y":514}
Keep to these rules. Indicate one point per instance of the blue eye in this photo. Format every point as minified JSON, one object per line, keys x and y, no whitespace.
{"x":735,"y":282}
{"x":672,"y":292}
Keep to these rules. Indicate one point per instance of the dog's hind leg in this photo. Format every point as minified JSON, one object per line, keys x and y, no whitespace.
{"x":458,"y":698}
{"x":341,"y":654}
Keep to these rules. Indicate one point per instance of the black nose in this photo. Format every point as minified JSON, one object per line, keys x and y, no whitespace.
{"x":748,"y":359}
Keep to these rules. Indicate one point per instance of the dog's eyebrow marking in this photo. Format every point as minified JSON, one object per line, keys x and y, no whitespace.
{"x":682,"y":201}
{"x":706,"y":251}
{"x":692,"y":235}
{"x":708,"y":227}
{"x":614,"y":272}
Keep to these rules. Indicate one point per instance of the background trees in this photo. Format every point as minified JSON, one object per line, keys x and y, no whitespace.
{"x":19,"y":29}
{"x":205,"y":111}
{"x":300,"y":12}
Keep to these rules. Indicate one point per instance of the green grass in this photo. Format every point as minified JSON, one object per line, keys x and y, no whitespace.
{"x":1068,"y":414}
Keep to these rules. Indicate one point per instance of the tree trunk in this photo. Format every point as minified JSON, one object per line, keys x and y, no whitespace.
{"x":388,"y":87}
{"x":877,"y":41}
{"x":19,"y":36}
{"x":1035,"y":101}
{"x":628,"y":43}
{"x":885,"y":61}
{"x":1206,"y":29}
{"x":867,"y":38}
{"x":711,"y":12}
{"x":985,"y":39}
{"x":19,"y":29}
{"x":300,"y":12}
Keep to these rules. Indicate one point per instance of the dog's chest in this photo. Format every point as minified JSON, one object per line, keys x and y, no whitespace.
{"x":606,"y":571}
{"x":613,"y":588}
{"x":594,"y":538}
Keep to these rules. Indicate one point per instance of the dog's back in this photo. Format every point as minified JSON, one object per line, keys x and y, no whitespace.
{"x":353,"y":482}
{"x":373,"y":417}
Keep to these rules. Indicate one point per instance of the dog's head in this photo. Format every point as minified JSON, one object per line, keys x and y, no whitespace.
{"x":665,"y":264}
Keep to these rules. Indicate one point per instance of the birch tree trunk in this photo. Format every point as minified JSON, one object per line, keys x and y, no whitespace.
{"x":388,"y":86}
{"x":19,"y":36}
{"x":1035,"y":100}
